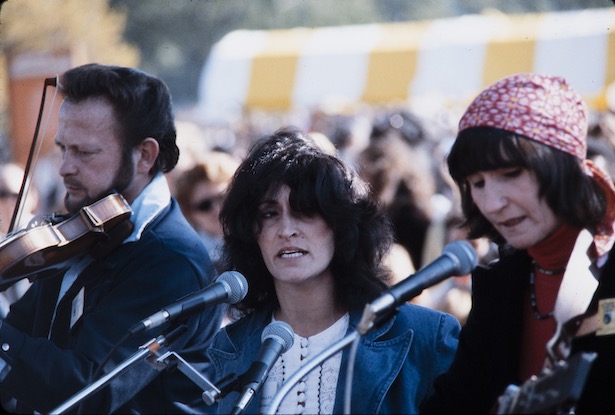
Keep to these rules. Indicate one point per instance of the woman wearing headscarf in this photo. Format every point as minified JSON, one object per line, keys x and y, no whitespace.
{"x":519,"y":160}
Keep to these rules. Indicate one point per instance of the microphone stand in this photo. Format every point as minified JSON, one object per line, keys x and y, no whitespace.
{"x":175,"y":360}
{"x":152,"y":347}
{"x":369,"y":320}
{"x":307,"y":368}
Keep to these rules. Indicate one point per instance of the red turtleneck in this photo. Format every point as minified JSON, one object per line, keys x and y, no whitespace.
{"x":551,"y":253}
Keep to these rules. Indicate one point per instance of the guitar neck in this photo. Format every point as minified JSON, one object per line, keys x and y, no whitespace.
{"x":555,"y":390}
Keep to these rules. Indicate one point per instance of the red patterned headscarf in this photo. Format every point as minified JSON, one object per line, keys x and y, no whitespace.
{"x":545,"y":109}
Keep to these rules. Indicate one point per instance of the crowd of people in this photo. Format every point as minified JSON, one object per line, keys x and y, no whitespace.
{"x":321,"y":219}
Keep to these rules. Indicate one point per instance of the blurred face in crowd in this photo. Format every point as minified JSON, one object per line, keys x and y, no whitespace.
{"x":296,"y":248}
{"x":509,"y":199}
{"x":92,"y":158}
{"x":8,"y":200}
{"x":11,"y":178}
{"x":206,"y":201}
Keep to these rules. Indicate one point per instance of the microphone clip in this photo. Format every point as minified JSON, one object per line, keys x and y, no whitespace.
{"x":173,"y":360}
{"x":372,"y":313}
{"x":228,"y":384}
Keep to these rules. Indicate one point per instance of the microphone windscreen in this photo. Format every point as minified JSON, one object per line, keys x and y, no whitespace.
{"x":463,"y":254}
{"x":236,"y":285}
{"x":280,"y":331}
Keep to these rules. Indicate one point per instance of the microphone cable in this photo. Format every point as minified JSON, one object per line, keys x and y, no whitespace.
{"x":98,"y":371}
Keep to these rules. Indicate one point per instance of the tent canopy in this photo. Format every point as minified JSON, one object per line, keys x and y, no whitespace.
{"x":435,"y":62}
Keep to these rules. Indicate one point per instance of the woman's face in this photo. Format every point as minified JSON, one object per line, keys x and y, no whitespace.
{"x":508,"y":198}
{"x":296,"y":248}
{"x":205,"y":204}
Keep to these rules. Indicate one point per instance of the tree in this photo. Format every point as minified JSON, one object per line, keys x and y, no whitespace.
{"x":86,"y":31}
{"x":90,"y":28}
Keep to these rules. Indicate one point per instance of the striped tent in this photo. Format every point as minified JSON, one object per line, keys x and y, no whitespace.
{"x":437,"y":61}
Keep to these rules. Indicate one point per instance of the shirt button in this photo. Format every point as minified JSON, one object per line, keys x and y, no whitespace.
{"x":5,"y":347}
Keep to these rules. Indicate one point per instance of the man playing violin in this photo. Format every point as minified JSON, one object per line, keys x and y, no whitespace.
{"x":116,"y":133}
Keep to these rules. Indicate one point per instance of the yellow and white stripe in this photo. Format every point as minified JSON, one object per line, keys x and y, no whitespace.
{"x":439,"y":61}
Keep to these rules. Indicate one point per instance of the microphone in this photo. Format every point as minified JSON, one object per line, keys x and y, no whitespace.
{"x":458,"y":258}
{"x":276,"y":339}
{"x":230,"y":287}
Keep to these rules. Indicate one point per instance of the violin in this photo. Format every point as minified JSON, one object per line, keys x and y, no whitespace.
{"x":98,"y":228}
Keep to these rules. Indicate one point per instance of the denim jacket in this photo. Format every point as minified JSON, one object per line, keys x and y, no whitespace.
{"x":396,"y":362}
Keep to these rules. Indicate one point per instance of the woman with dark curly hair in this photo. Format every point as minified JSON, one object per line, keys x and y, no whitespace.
{"x":310,"y":239}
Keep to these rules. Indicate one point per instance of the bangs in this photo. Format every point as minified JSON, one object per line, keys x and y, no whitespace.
{"x":305,"y":181}
{"x":302,"y":197}
{"x":484,"y":149}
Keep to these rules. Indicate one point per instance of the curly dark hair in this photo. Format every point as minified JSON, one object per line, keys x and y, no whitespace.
{"x":141,"y":102}
{"x":320,"y":184}
{"x":569,"y":192}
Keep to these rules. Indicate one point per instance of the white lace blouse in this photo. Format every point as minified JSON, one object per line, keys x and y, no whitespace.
{"x":314,"y":394}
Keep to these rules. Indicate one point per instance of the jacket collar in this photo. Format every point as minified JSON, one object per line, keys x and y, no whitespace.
{"x":150,"y":202}
{"x":259,"y":319}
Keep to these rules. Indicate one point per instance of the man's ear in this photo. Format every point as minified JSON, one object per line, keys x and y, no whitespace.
{"x":147,"y":153}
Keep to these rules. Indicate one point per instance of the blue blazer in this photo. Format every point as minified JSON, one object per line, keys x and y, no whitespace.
{"x":396,"y":362}
{"x":130,"y":284}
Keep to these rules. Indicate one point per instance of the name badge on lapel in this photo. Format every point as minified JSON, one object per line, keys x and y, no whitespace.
{"x":606,"y":315}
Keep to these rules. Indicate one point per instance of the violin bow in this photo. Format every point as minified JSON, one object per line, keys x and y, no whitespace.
{"x":25,"y":183}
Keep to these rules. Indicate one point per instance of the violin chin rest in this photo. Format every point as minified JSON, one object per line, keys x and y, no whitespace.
{"x":111,"y":239}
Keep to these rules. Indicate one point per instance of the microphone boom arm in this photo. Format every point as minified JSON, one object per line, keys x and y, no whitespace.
{"x":458,"y":258}
{"x":144,"y":351}
{"x":147,"y":351}
{"x":173,"y":359}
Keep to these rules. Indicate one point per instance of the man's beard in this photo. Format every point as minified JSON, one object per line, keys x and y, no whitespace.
{"x":123,"y":178}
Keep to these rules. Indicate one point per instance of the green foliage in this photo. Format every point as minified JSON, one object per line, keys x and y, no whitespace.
{"x":89,"y":27}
